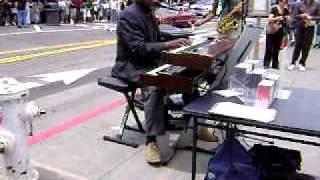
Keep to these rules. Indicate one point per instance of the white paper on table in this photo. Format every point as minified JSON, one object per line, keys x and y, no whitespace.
{"x":227,"y":93}
{"x":283,"y":94}
{"x":248,"y":67}
{"x":259,"y":71}
{"x":242,"y":111}
{"x":273,"y":76}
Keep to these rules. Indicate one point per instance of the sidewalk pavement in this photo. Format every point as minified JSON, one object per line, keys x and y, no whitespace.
{"x":82,"y":152}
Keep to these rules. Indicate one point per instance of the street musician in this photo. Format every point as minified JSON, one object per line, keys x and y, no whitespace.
{"x":138,"y":51}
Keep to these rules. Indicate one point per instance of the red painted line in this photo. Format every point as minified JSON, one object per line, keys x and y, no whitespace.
{"x":75,"y":121}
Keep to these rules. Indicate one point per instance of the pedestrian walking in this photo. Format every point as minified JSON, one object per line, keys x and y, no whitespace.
{"x":76,"y":8}
{"x":62,"y":10}
{"x":2,"y":14}
{"x":73,"y":13}
{"x":276,"y":31}
{"x":67,"y":11}
{"x":305,"y":14}
{"x":96,"y":10}
{"x":35,"y":11}
{"x":28,"y":12}
{"x":106,"y":10}
{"x":292,"y":24}
{"x":317,"y":39}
{"x":87,"y":12}
{"x":21,"y":16}
{"x":13,"y":13}
{"x":5,"y":15}
{"x":8,"y":5}
{"x":101,"y":10}
{"x":114,"y":11}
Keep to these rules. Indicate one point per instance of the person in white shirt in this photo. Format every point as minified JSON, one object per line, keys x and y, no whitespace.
{"x":35,"y":11}
{"x":96,"y":10}
{"x":28,"y":12}
{"x":114,"y":11}
{"x":62,"y":7}
{"x":105,"y":10}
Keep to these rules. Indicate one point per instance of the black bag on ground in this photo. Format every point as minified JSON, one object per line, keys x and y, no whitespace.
{"x":276,"y":162}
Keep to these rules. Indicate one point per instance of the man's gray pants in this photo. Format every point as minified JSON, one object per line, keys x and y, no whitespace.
{"x":154,"y":111}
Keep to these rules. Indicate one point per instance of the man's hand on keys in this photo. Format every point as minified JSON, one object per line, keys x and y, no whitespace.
{"x":177,"y":43}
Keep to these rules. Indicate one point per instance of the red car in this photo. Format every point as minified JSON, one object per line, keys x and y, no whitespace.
{"x":175,"y":17}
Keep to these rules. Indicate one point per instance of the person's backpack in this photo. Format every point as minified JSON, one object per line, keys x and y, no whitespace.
{"x":232,"y":162}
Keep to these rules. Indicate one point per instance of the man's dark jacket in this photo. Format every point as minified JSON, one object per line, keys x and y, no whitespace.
{"x":139,"y":46}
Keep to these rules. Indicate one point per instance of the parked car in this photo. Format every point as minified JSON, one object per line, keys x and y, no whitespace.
{"x":178,"y":18}
{"x":170,"y":32}
{"x":201,"y":7}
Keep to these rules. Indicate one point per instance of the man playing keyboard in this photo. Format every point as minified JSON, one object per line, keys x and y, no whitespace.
{"x":138,"y":51}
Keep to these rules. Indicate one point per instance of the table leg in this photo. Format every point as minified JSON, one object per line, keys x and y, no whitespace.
{"x":194,"y":148}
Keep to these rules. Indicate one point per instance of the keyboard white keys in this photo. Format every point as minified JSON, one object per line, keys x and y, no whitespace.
{"x":154,"y":72}
{"x":195,"y":42}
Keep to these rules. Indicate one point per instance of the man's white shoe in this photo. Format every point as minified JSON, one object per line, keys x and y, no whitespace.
{"x":301,"y":68}
{"x":291,"y":67}
{"x":153,"y":154}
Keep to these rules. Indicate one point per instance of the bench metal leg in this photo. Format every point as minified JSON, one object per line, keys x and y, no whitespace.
{"x":119,"y":137}
{"x":134,"y":112}
{"x":124,"y":120}
{"x":123,"y":126}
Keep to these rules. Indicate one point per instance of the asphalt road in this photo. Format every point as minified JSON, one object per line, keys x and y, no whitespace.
{"x":59,"y":52}
{"x":96,"y":57}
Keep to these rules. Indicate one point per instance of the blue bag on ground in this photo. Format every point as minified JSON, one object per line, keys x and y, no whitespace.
{"x":232,"y":162}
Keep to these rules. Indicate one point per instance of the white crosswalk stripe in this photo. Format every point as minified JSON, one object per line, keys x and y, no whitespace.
{"x":99,"y":25}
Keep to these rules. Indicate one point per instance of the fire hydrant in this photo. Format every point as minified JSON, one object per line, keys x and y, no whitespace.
{"x":17,"y":114}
